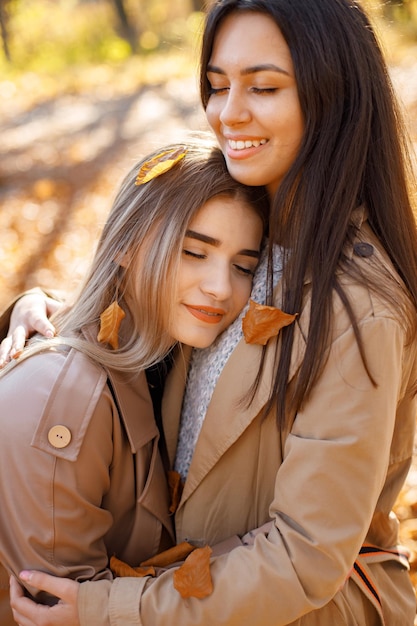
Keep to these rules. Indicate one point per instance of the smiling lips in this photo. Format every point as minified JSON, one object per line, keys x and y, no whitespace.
{"x":238,"y":149}
{"x":207,"y":314}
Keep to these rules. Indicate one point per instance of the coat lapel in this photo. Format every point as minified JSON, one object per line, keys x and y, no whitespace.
{"x":172,"y":399}
{"x":136,"y":412}
{"x":228,"y":415}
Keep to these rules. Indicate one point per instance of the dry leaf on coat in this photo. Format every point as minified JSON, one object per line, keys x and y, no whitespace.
{"x":262,"y":322}
{"x":175,"y":489}
{"x":193,"y":578}
{"x":170,"y":556}
{"x":120,"y":568}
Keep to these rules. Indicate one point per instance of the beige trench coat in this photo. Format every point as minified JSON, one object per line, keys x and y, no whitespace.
{"x":326,"y":488}
{"x":81,"y":475}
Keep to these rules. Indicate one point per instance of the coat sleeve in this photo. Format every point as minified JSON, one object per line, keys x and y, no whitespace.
{"x":51,"y":517}
{"x":335,"y":465}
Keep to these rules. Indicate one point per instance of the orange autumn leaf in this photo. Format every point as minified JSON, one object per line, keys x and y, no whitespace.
{"x":170,"y":556}
{"x":110,"y":321}
{"x":193,"y":578}
{"x":262,"y":322}
{"x":120,"y":568}
{"x":175,"y":489}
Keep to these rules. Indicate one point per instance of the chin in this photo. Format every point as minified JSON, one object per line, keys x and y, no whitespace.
{"x":199,"y":342}
{"x":246,"y":177}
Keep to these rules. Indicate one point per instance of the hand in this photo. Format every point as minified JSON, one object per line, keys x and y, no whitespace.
{"x":30,"y":314}
{"x":28,"y":613}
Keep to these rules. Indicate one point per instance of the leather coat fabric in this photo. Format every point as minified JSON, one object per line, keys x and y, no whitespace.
{"x":81,"y":474}
{"x":326,"y":486}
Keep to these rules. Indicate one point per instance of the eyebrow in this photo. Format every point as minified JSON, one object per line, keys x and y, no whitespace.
{"x":192,"y":234}
{"x":265,"y":67}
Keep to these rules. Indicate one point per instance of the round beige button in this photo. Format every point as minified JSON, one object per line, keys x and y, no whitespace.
{"x":59,"y":436}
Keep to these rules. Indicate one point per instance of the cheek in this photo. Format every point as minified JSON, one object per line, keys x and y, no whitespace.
{"x":242,"y":293}
{"x":185,"y":277}
{"x":213,"y":114}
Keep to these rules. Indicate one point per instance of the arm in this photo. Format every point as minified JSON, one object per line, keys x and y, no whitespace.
{"x":26,"y":315}
{"x":327,"y":489}
{"x":61,"y":523}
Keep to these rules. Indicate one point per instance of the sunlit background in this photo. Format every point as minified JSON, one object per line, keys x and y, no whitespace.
{"x":87,"y":87}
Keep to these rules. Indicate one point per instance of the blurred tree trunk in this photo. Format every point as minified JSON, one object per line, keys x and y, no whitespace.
{"x":3,"y":28}
{"x":127,"y":31}
{"x":198,"y":5}
{"x":201,"y":5}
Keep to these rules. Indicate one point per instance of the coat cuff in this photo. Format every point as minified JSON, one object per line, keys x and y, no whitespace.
{"x":111,"y":603}
{"x":93,"y":603}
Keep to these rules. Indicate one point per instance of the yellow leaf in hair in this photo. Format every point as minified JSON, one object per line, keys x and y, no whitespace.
{"x":110,"y":321}
{"x":262,"y":322}
{"x":193,"y":578}
{"x":160,"y":164}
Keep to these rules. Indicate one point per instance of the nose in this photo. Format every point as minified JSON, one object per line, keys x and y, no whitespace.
{"x":217,"y":283}
{"x":234,"y":109}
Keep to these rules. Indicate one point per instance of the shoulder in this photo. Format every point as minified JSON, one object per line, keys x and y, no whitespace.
{"x":54,"y":395}
{"x":369,"y":291}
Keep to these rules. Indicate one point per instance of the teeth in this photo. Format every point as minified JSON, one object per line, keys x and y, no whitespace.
{"x":207,"y":312}
{"x":249,"y":143}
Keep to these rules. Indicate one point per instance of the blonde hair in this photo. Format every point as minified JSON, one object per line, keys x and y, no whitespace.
{"x":152,"y":218}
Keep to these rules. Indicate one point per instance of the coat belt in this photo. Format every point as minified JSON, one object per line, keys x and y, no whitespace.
{"x":361,"y":573}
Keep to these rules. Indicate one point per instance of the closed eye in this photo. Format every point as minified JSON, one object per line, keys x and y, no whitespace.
{"x":194,"y":255}
{"x":245,"y":270}
{"x":262,"y":90}
{"x":215,"y":91}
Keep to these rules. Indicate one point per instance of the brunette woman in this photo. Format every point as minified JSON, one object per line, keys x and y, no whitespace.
{"x":312,"y":434}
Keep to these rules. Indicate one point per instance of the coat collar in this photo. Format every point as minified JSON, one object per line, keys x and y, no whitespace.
{"x":131,"y":392}
{"x":229,"y":413}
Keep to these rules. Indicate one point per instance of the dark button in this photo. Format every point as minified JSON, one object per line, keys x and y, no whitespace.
{"x":363,"y":249}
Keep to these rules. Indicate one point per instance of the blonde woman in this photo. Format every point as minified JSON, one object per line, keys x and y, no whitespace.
{"x":81,"y":474}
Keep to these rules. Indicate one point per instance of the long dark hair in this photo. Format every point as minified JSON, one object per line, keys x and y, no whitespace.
{"x":354,"y":152}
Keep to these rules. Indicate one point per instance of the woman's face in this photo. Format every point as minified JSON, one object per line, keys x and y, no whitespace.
{"x":254,"y":107}
{"x":220,"y":254}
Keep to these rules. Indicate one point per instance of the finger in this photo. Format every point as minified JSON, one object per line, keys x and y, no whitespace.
{"x":52,"y":306}
{"x":30,"y":313}
{"x":15,"y":589}
{"x":18,"y":602}
{"x":5,"y":348}
{"x":26,"y":612}
{"x":62,"y":588}
{"x":40,"y":324}
{"x":18,"y":342}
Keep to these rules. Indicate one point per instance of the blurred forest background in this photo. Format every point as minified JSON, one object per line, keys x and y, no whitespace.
{"x":89,"y":86}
